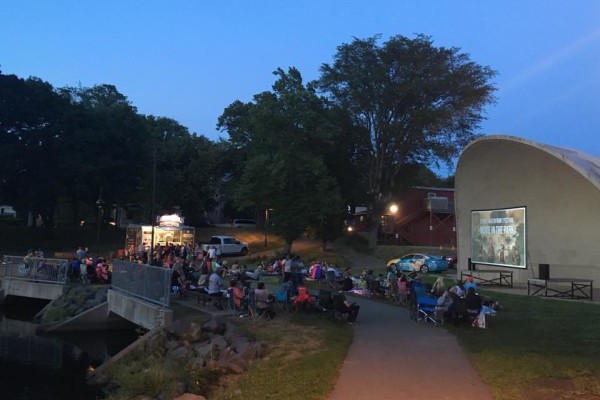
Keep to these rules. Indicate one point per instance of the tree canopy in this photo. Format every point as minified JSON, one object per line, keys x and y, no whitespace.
{"x":415,"y":103}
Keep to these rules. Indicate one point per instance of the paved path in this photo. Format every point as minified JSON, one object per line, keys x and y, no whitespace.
{"x":392,"y":357}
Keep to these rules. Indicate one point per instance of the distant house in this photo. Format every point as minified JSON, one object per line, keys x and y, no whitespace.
{"x":7,"y":211}
{"x":425,"y":217}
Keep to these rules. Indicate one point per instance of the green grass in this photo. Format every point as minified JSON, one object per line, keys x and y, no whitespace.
{"x":537,"y":348}
{"x":305,"y":355}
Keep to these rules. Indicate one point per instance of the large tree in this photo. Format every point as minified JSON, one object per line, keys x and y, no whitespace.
{"x":415,"y":103}
{"x":279,"y":137}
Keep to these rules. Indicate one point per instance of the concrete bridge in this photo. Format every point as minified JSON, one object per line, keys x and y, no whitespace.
{"x":138,"y":293}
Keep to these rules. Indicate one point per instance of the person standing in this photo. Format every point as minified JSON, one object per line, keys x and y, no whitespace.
{"x":214,"y":287}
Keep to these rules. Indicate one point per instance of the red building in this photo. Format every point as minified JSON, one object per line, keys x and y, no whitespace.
{"x":425,"y":217}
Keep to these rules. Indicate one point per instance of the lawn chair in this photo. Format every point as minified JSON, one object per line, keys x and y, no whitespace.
{"x":330,"y":279}
{"x":339,"y":314}
{"x":282,"y":297}
{"x":396,"y":295}
{"x":374,"y":288}
{"x":255,"y":312}
{"x":232,"y":307}
{"x":426,"y":310}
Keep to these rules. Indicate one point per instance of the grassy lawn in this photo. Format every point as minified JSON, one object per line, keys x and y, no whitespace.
{"x":537,"y":348}
{"x":306,"y":352}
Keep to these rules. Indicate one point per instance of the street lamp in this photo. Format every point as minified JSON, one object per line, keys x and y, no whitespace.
{"x":394,"y":210}
{"x":99,"y":204}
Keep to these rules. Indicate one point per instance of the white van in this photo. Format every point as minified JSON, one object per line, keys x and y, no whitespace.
{"x":243,"y":223}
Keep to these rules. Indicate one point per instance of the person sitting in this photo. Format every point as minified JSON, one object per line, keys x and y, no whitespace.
{"x":238,"y":296}
{"x":303,"y":300}
{"x":257,"y":272}
{"x":214,"y":287}
{"x":343,"y":306}
{"x":347,"y":283}
{"x":264,"y":300}
{"x":473,"y":302}
{"x":101,"y":273}
{"x":443,"y":305}
{"x":459,"y":289}
{"x":469,"y":283}
{"x":439,"y":287}
{"x":179,"y":281}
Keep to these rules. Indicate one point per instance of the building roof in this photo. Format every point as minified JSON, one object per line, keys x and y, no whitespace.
{"x":585,"y":164}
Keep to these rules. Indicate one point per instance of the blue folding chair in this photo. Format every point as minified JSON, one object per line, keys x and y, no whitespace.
{"x":426,"y":310}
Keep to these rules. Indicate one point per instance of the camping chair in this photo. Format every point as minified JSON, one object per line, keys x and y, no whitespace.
{"x":282,"y":297}
{"x":232,"y":307}
{"x":339,"y":314}
{"x":255,"y":312}
{"x":426,"y":310}
{"x":330,"y":279}
{"x":303,"y":300}
{"x":395,"y":294}
{"x":374,"y":288}
{"x":325,"y":303}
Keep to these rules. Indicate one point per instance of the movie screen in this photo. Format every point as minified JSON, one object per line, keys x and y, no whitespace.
{"x":498,"y":237}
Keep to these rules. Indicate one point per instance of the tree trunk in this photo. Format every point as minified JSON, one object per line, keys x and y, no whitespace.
{"x":287,"y":248}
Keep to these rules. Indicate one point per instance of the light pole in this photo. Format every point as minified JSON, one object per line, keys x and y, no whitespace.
{"x":394,"y":211}
{"x":152,"y":216}
{"x":99,"y":204}
{"x":266,"y":224}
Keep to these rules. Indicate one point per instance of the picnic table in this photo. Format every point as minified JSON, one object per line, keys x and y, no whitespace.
{"x":578,"y":289}
{"x":499,"y":277}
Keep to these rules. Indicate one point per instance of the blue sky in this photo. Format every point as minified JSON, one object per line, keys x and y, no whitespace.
{"x":188,"y":60}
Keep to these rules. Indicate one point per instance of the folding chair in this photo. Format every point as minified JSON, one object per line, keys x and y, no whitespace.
{"x":426,"y":310}
{"x":282,"y":297}
{"x":255,"y":312}
{"x":231,"y":306}
{"x":396,"y":296}
{"x":330,"y":279}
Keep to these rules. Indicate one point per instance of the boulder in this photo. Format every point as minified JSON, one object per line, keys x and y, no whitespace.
{"x":254,"y":351}
{"x":185,"y":329}
{"x":215,"y":325}
{"x":178,"y":354}
{"x":239,"y":344}
{"x":203,"y":350}
{"x":190,"y":396}
{"x":220,"y":342}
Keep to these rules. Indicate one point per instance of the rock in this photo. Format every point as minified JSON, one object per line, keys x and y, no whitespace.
{"x":190,"y":396}
{"x":203,"y":351}
{"x":231,"y":368}
{"x":178,"y":354}
{"x":226,"y":354}
{"x":212,"y":364}
{"x":143,"y":397}
{"x":219,"y":341}
{"x":254,"y":351}
{"x":215,"y":325}
{"x":72,"y":309}
{"x":233,"y":363}
{"x":185,"y":329}
{"x":100,"y":296}
{"x":239,"y":344}
{"x":231,"y":331}
{"x":172,"y":345}
{"x":89,"y":304}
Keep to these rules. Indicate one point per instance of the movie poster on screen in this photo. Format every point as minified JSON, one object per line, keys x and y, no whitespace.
{"x":498,"y":237}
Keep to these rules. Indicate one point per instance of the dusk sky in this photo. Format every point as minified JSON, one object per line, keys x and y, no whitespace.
{"x":188,"y":60}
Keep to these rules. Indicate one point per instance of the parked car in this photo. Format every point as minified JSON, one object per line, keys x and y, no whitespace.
{"x":421,"y":262}
{"x":452,"y":260}
{"x":243,"y":223}
{"x":227,"y":245}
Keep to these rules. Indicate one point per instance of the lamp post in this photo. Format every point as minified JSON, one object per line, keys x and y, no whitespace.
{"x":266,"y":224}
{"x":153,"y":216}
{"x":99,"y":204}
{"x":394,"y":210}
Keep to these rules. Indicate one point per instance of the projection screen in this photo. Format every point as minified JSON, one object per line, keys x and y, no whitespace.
{"x":498,"y":237}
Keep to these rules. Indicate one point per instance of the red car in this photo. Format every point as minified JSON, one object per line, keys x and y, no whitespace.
{"x":452,"y":260}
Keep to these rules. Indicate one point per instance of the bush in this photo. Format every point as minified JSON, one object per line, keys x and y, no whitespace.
{"x":54,"y":315}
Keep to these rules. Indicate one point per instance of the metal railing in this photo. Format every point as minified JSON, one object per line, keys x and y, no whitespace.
{"x":35,"y":269}
{"x":146,"y":282}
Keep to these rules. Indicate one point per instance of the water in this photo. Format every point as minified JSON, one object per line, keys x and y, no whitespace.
{"x":50,"y":367}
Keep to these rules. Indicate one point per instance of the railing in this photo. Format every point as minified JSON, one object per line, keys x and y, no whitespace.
{"x":146,"y":282}
{"x":35,"y":269}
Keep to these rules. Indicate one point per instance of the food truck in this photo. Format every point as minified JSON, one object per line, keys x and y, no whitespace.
{"x":170,"y":229}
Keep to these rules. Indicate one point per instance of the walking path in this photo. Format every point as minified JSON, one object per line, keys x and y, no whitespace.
{"x":392,"y":357}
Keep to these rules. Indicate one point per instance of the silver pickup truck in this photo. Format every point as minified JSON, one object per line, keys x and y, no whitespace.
{"x":227,"y":245}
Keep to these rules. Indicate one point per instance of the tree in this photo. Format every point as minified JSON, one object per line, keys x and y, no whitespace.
{"x":416,"y":104}
{"x":279,"y":137}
